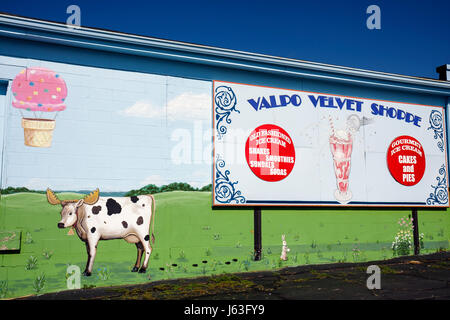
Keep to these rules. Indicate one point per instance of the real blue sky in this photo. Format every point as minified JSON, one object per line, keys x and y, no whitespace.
{"x":414,"y":37}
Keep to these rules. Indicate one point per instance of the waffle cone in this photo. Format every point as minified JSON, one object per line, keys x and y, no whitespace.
{"x":38,"y":132}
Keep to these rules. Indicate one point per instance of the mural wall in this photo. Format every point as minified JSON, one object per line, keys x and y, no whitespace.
{"x":73,"y":129}
{"x":121,"y":129}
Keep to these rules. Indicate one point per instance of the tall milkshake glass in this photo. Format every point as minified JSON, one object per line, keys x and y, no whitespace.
{"x":341,"y":145}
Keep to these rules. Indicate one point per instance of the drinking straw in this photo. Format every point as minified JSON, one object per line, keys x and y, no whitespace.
{"x":331,"y":124}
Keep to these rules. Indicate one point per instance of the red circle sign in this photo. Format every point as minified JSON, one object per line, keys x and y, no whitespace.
{"x":406,"y":160}
{"x":270,"y":153}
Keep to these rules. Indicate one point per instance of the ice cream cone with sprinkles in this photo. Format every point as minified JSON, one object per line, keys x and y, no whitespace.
{"x":38,"y":90}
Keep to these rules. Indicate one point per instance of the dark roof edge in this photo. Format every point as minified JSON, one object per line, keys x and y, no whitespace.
{"x":130,"y":39}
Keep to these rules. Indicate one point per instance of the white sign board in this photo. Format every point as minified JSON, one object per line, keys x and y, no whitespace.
{"x":278,"y":147}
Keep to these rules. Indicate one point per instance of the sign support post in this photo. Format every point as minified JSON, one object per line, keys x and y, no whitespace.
{"x":416,"y":232}
{"x":257,"y":233}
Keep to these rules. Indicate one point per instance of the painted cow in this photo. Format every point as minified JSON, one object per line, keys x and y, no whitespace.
{"x":104,"y":218}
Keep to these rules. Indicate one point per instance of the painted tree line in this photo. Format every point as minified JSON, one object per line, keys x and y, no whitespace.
{"x":148,"y":189}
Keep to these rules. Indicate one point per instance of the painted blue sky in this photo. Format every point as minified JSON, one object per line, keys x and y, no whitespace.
{"x":413,"y":39}
{"x":121,"y":130}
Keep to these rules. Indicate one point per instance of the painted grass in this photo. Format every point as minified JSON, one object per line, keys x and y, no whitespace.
{"x":194,"y":240}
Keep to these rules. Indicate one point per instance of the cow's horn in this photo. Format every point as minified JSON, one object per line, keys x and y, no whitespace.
{"x":92,"y":197}
{"x":52,"y":198}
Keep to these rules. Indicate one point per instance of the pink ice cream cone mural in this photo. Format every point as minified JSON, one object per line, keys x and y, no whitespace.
{"x":38,"y":90}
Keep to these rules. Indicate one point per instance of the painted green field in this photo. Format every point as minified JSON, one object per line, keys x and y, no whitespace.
{"x":194,"y":240}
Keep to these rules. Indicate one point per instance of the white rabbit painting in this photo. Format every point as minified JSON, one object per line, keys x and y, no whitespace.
{"x":284,"y":249}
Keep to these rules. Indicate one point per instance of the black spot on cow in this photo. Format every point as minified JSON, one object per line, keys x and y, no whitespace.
{"x":125,"y":224}
{"x":143,"y":204}
{"x":113,"y":207}
{"x":147,"y":237}
{"x":134,"y":199}
{"x":96,"y":209}
{"x":139,"y":221}
{"x":93,"y":229}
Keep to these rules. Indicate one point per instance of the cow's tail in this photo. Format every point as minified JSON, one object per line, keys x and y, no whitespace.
{"x":153,"y":210}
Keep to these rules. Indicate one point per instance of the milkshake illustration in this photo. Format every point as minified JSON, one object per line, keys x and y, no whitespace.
{"x":341,"y":146}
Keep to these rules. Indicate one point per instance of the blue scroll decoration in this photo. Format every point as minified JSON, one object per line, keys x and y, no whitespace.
{"x":440,"y":193}
{"x":225,"y":101}
{"x":224,"y":189}
{"x":436,"y":125}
